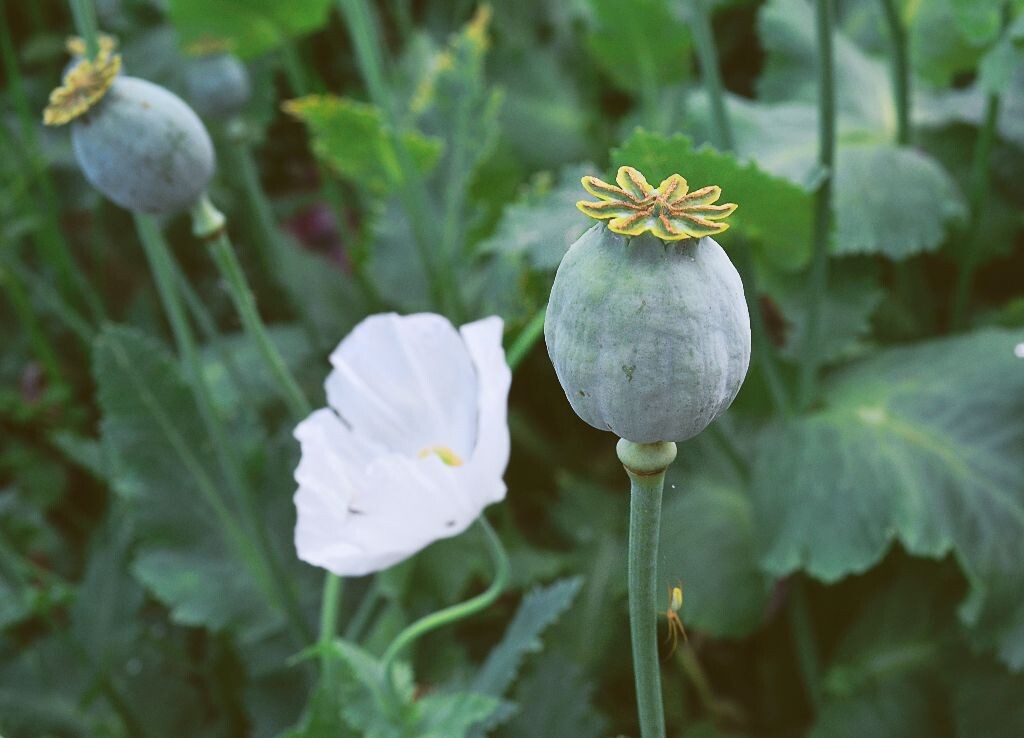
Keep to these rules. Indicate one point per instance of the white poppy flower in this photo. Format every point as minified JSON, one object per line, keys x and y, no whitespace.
{"x":413,"y":446}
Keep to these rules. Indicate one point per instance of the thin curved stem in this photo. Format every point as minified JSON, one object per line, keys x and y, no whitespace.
{"x":462,"y":610}
{"x":822,"y":203}
{"x":645,"y":463}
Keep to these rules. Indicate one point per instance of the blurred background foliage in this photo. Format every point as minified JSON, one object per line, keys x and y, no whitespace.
{"x":853,"y":563}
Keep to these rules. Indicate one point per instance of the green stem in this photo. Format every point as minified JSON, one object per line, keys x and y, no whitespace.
{"x":208,"y":224}
{"x":49,"y":238}
{"x":415,"y":197}
{"x":900,"y":71}
{"x":330,"y":601}
{"x":462,"y":610}
{"x":723,"y":138}
{"x":84,"y":14}
{"x":822,"y":204}
{"x":645,"y":463}
{"x":802,"y":628}
{"x":266,"y":233}
{"x":526,"y":339}
{"x":263,"y":560}
{"x":980,"y":166}
{"x":357,"y":624}
{"x":707,"y":54}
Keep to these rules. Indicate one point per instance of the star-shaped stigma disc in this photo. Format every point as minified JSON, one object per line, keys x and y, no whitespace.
{"x":669,"y":211}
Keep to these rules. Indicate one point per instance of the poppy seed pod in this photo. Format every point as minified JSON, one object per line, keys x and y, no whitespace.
{"x":144,"y":148}
{"x":649,"y":335}
{"x":137,"y":143}
{"x":217,"y":85}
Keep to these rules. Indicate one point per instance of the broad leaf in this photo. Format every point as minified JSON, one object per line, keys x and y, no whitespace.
{"x":919,"y":445}
{"x":772,"y":212}
{"x":846,"y":308}
{"x":893,"y":201}
{"x":252,"y":27}
{"x":544,"y":223}
{"x":644,"y":44}
{"x":708,"y":544}
{"x":351,"y":137}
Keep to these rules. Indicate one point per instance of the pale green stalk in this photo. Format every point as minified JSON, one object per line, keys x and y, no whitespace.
{"x":645,"y":463}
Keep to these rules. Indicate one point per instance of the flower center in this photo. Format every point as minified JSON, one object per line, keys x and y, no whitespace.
{"x":444,"y":453}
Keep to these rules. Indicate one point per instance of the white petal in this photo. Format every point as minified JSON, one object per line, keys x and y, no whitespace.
{"x":407,"y":383}
{"x":408,"y":504}
{"x":484,"y":470}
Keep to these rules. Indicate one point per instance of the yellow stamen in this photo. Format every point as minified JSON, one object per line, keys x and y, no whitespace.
{"x":444,"y":453}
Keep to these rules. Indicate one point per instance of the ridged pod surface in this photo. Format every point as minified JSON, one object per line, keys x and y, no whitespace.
{"x":144,"y":148}
{"x":650,"y":340}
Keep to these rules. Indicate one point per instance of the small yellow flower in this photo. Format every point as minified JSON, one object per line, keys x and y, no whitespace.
{"x":669,"y":211}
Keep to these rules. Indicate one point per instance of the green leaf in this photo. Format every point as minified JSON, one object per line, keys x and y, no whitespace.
{"x":774,"y":213}
{"x":352,"y":139}
{"x":544,"y":222}
{"x":162,"y":464}
{"x":996,"y":70}
{"x":895,"y":710}
{"x":892,"y":200}
{"x":556,"y":700}
{"x":709,"y":545}
{"x":862,"y":84}
{"x":538,"y":611}
{"x":846,"y":308}
{"x":452,"y":715}
{"x":919,"y":445}
{"x":644,"y":45}
{"x":252,"y":27}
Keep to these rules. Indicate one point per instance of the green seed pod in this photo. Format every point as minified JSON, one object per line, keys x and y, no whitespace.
{"x":137,"y":143}
{"x":649,"y":337}
{"x":217,"y":85}
{"x":144,"y":148}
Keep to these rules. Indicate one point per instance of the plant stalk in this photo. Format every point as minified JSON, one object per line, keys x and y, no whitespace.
{"x":976,"y":203}
{"x":84,"y":14}
{"x":206,"y":227}
{"x":900,"y":71}
{"x":645,"y":463}
{"x":802,"y":628}
{"x":453,"y":614}
{"x":822,"y":203}
{"x":526,"y":339}
{"x":707,"y":54}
